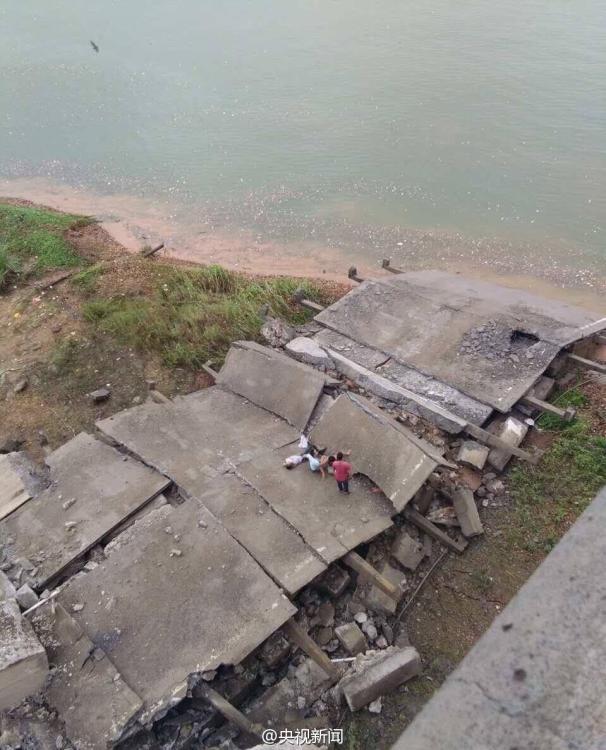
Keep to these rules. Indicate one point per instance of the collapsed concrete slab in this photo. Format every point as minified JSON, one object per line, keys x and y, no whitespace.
{"x":378,"y":673}
{"x":23,"y":661}
{"x":405,"y":381}
{"x":216,"y":603}
{"x":273,"y":381}
{"x":13,"y":492}
{"x":489,"y":342}
{"x":94,"y":488}
{"x":394,"y":459}
{"x":199,"y":436}
{"x":86,"y":690}
{"x":274,"y":544}
{"x":330,"y":522}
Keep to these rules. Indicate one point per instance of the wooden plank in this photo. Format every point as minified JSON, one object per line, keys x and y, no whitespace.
{"x":304,"y":641}
{"x":386,"y":264}
{"x":567,"y":414}
{"x":495,"y":442}
{"x":230,"y":712}
{"x":365,"y":569}
{"x":311,"y":305}
{"x":430,"y":528}
{"x":588,"y":364}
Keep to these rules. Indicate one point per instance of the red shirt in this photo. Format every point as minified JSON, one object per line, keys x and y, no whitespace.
{"x":342,"y":470}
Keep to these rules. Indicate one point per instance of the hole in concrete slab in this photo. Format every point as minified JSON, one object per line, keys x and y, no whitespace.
{"x":519,"y":675}
{"x":521,"y":338}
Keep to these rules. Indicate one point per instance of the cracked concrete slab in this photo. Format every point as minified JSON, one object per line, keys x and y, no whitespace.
{"x":330,"y":522}
{"x":272,"y":380}
{"x":13,"y":492}
{"x":176,"y":595}
{"x":87,"y":691}
{"x":93,"y":489}
{"x":394,"y":459}
{"x":196,"y":437}
{"x":407,"y":378}
{"x":274,"y":543}
{"x":422,"y":319}
{"x":530,"y":681}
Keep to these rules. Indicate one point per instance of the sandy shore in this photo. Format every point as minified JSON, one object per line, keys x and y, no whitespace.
{"x":135,"y":222}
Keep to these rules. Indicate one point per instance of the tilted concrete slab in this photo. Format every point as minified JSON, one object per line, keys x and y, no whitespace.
{"x":402,"y":376}
{"x":273,"y":381}
{"x":533,"y":680}
{"x":13,"y":492}
{"x":176,"y":595}
{"x":395,"y":459}
{"x":94,"y":488}
{"x":199,"y":436}
{"x":422,"y":319}
{"x":85,"y":688}
{"x":330,"y":522}
{"x":274,"y":544}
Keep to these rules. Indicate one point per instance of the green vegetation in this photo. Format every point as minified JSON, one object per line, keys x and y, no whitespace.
{"x":32,"y":241}
{"x":191,"y":316}
{"x":86,"y":280}
{"x":551,"y":495}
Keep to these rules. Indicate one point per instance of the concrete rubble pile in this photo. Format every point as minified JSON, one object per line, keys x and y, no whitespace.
{"x":167,"y":583}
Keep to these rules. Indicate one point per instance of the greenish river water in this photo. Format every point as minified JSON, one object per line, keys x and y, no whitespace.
{"x":377,"y":127}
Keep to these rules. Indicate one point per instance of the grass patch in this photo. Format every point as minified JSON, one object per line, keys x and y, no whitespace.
{"x":192,"y":315}
{"x":548,"y":497}
{"x":86,"y":280}
{"x":32,"y":241}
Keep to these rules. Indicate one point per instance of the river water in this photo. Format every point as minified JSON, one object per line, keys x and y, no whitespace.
{"x":426,"y":131}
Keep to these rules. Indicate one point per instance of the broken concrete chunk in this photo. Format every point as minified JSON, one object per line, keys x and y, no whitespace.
{"x":275,"y":650}
{"x":470,"y":478}
{"x":378,"y":601}
{"x":26,"y":597}
{"x":306,"y":350}
{"x":467,"y":512}
{"x":378,"y":673}
{"x":23,"y":662}
{"x":473,"y":454}
{"x":334,"y":581}
{"x":101,"y":394}
{"x":351,"y":638}
{"x":407,"y":551}
{"x":512,"y":432}
{"x":326,"y":614}
{"x":7,"y":590}
{"x":276,"y":332}
{"x":424,"y":498}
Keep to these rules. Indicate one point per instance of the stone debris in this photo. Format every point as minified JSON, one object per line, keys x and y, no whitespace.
{"x":23,"y":660}
{"x":335,"y":581}
{"x":306,"y":350}
{"x":277,"y":333}
{"x":407,"y":551}
{"x":377,"y":600}
{"x":467,"y":512}
{"x":101,"y":394}
{"x":351,"y":638}
{"x":376,"y":706}
{"x":7,"y":590}
{"x":376,"y":673}
{"x":513,"y":432}
{"x":26,"y":597}
{"x":473,"y":454}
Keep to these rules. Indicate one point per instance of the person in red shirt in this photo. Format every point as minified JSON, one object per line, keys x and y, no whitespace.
{"x":342,"y":472}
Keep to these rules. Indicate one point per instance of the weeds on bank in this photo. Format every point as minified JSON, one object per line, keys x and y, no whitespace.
{"x":193,"y":315}
{"x":550,"y":495}
{"x":86,"y":280}
{"x":32,"y":241}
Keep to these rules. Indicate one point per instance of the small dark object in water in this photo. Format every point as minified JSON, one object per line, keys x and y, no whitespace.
{"x":94,"y":46}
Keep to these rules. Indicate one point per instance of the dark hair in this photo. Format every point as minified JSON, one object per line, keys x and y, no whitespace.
{"x":331,"y":459}
{"x":339,"y":456}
